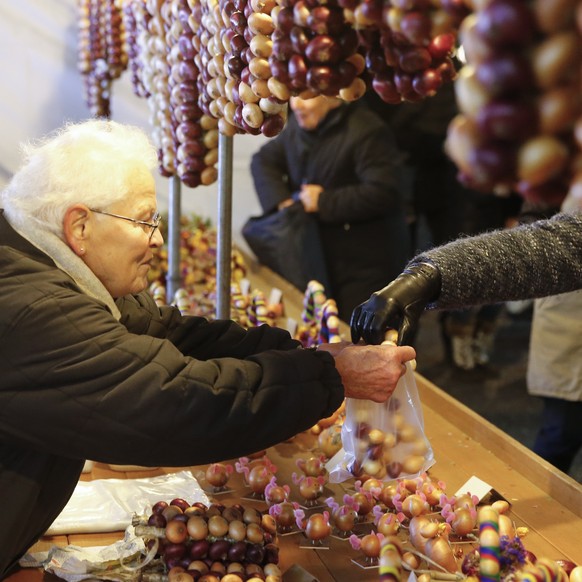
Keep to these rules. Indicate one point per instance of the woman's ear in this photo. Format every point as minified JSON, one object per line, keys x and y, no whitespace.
{"x":75,"y":228}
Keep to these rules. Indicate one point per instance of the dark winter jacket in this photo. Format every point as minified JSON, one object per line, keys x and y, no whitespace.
{"x":154,"y":388}
{"x":353,"y":156}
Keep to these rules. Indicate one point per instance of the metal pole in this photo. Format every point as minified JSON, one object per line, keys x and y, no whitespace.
{"x":173,"y":281}
{"x":224,"y":231}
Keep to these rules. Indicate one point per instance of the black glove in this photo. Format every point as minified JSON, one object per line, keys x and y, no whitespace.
{"x":397,"y":306}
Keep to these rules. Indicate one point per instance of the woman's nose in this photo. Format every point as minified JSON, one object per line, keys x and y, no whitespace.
{"x":157,"y":239}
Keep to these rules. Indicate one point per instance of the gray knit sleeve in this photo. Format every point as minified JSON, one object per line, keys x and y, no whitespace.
{"x":535,"y":260}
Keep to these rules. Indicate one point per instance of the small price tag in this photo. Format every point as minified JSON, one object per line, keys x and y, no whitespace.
{"x":275,"y":296}
{"x":474,"y":486}
{"x":291,"y":326}
{"x":245,"y":286}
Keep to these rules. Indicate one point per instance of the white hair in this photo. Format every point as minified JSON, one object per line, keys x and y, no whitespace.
{"x":92,"y":162}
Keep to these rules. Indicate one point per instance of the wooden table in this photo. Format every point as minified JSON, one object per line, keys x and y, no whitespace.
{"x":546,"y":501}
{"x":543,"y":499}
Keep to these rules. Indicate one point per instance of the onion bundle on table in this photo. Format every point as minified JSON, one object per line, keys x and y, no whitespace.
{"x":101,"y":52}
{"x":519,"y":98}
{"x":408,"y":44}
{"x":216,"y":539}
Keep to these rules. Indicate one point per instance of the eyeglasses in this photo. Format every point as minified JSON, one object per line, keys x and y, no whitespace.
{"x":153,"y":225}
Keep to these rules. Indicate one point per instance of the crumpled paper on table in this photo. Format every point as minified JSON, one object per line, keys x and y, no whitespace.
{"x":119,"y":561}
{"x":107,"y":505}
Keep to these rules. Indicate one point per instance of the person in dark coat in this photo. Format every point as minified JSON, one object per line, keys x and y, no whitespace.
{"x":341,"y":161}
{"x":93,"y":369}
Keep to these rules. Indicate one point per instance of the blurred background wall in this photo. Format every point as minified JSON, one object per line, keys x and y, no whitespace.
{"x":41,"y":89}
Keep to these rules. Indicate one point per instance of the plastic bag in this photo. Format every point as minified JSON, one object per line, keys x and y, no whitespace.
{"x":105,"y":505}
{"x":383,"y":441}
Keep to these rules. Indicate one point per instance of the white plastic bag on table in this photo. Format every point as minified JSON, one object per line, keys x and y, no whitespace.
{"x":383,"y":441}
{"x":106,"y":505}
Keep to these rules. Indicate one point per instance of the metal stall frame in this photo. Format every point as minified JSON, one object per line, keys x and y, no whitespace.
{"x":223,"y":235}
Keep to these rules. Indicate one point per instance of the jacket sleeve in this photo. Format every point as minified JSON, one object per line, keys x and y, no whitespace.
{"x":377,"y":188}
{"x":270,"y":173}
{"x":196,"y":336}
{"x":524,"y":262}
{"x":91,"y":389}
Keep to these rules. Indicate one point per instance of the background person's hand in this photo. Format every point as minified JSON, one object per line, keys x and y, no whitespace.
{"x":398,"y":306}
{"x":309,"y":196}
{"x":372,"y":372}
{"x":285,"y":203}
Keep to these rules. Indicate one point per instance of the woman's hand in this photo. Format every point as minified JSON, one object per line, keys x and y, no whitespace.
{"x":370,"y":372}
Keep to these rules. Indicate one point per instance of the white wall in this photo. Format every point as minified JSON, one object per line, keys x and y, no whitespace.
{"x":41,"y":89}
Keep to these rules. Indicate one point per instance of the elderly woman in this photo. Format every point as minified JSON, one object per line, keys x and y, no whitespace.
{"x":93,"y":369}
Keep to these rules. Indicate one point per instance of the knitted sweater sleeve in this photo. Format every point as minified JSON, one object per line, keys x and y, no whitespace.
{"x":535,"y":260}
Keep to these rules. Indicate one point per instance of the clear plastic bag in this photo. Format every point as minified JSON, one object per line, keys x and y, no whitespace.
{"x":383,"y":441}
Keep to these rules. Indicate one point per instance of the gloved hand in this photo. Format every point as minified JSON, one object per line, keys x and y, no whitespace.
{"x":398,"y":306}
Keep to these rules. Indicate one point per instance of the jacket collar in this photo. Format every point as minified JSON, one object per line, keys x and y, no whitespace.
{"x":46,"y":247}
{"x":333,"y":118}
{"x":10,"y":238}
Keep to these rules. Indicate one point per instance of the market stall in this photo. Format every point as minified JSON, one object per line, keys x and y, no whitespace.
{"x":211,"y":71}
{"x":229,"y":68}
{"x":545,"y":502}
